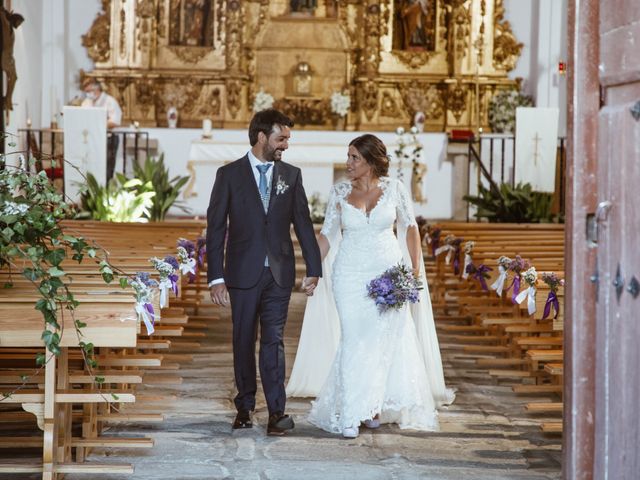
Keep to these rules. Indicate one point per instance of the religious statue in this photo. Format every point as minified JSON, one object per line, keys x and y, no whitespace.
{"x":9,"y":21}
{"x":415,"y":25}
{"x":417,"y":178}
{"x":299,"y":6}
{"x":191,"y":23}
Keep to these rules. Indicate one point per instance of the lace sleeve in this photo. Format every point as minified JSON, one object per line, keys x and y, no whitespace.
{"x":332,"y":220}
{"x":404,"y":207}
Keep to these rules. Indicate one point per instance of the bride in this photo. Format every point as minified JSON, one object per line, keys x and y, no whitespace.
{"x":385,"y":367}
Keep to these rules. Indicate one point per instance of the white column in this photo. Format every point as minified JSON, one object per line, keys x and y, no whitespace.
{"x":53,"y":60}
{"x":551,"y":31}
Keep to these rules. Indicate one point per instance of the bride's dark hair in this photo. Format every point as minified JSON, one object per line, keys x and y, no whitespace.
{"x":374,"y":152}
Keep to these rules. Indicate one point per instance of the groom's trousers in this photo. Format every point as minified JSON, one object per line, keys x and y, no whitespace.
{"x":264,"y":305}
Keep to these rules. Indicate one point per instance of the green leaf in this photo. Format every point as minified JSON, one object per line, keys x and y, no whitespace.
{"x":115,"y":397}
{"x":56,"y":256}
{"x":40,"y":359}
{"x":7,"y":233}
{"x":99,"y":380}
{"x":80,"y":324}
{"x":56,"y":272}
{"x":124,"y":282}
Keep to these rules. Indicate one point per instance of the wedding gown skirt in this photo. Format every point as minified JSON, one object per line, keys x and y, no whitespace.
{"x":378,"y":367}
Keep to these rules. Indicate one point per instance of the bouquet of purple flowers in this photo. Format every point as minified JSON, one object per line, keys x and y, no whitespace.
{"x":394,"y":288}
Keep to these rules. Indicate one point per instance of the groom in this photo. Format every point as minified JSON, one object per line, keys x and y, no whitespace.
{"x":253,"y":204}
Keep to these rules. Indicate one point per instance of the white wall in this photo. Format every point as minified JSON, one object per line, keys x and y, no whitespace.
{"x":542,"y":26}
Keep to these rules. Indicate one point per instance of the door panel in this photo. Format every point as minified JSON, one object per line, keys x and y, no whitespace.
{"x":617,"y":420}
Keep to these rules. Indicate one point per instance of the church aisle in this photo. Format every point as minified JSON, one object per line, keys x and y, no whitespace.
{"x":485,"y":434}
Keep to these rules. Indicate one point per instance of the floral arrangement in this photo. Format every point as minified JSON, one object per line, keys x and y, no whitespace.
{"x":408,"y":148}
{"x":167,"y":269}
{"x":262,"y":101}
{"x":504,"y":263}
{"x":530,"y":277}
{"x":317,"y":208}
{"x":554,"y":283}
{"x":434,"y":239}
{"x":423,"y":228}
{"x":468,"y":248}
{"x":340,"y":103}
{"x":142,"y":285}
{"x":480,"y":273}
{"x":517,"y":266}
{"x":502,"y":110}
{"x":394,"y":288}
{"x":201,"y":249}
{"x":187,"y":258}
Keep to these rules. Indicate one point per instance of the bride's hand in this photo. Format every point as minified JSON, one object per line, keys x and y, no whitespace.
{"x":309,"y":285}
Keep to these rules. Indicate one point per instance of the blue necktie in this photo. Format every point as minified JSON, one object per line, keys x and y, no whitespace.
{"x":262,"y":185}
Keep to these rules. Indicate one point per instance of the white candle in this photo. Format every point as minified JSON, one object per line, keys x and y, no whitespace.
{"x":207,"y":128}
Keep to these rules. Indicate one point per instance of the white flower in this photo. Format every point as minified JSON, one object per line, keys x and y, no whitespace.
{"x":262,"y":101}
{"x":414,"y":130}
{"x":399,"y":131}
{"x":13,"y":208}
{"x":340,"y":103}
{"x":281,"y":186}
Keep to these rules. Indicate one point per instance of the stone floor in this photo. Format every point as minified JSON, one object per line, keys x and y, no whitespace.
{"x":485,"y":434}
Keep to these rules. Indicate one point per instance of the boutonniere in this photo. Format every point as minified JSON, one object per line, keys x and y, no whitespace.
{"x":281,"y":186}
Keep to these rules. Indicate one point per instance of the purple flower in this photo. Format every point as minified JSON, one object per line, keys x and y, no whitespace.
{"x":188,"y":246}
{"x":394,"y":288}
{"x":173,"y":261}
{"x":145,"y":278}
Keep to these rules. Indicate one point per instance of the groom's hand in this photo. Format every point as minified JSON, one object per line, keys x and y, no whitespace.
{"x":219,"y":294}
{"x":309,"y":285}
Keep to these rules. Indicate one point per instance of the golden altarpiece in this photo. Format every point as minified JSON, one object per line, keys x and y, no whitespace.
{"x":209,"y":58}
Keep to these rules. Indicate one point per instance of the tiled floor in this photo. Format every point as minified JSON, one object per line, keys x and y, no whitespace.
{"x":485,"y":434}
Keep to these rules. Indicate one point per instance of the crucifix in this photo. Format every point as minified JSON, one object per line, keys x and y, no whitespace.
{"x":536,"y":153}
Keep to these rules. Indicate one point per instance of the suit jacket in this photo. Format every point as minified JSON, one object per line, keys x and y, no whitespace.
{"x":237,"y":222}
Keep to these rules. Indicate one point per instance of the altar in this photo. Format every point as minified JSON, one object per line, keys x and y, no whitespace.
{"x":322,"y":157}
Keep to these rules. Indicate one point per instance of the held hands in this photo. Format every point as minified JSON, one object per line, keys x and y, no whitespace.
{"x":309,"y":285}
{"x":219,"y":294}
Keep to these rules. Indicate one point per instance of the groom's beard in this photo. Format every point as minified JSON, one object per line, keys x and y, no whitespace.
{"x":272,"y":155}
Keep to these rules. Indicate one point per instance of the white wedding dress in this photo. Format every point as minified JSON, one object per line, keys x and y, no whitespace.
{"x":368,"y":362}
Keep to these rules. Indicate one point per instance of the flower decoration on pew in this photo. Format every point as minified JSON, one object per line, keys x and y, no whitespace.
{"x":554,"y":283}
{"x":479,"y":273}
{"x":517,"y":266}
{"x":446,"y":247}
{"x":530,"y":277}
{"x":187,"y":258}
{"x":201,"y":249}
{"x":143,"y":286}
{"x":167,"y":269}
{"x":394,"y":288}
{"x":423,"y":228}
{"x":433,"y":239}
{"x":504,"y":263}
{"x":457,"y":242}
{"x":468,"y":248}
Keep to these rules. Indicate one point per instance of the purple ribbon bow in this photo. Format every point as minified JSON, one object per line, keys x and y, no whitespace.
{"x":515,"y":283}
{"x":435,"y":244}
{"x":149,"y":308}
{"x":480,"y":275}
{"x":456,"y":260}
{"x":552,"y":301}
{"x":174,"y":283}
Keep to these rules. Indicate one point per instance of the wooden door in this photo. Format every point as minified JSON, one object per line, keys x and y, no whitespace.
{"x":602,"y":334}
{"x":617,"y":419}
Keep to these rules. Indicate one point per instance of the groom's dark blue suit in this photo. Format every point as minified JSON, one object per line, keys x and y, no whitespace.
{"x":237,"y":222}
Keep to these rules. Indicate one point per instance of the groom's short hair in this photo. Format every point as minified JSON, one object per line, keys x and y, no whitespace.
{"x":264,"y":121}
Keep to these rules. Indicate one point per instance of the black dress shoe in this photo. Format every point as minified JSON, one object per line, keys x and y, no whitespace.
{"x":279,"y":424}
{"x":243,"y":420}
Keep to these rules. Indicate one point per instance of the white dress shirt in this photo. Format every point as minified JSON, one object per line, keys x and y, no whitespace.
{"x":253,"y":160}
{"x":114,"y":112}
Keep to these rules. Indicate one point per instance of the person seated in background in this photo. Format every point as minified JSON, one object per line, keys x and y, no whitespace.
{"x":97,"y":97}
